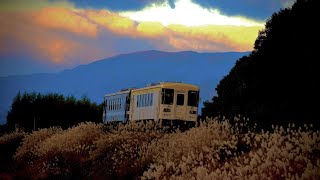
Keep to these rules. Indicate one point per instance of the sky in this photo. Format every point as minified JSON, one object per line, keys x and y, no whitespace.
{"x":38,"y":36}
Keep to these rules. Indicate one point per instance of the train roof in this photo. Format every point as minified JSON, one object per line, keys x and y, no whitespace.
{"x":165,"y":84}
{"x":122,"y":91}
{"x":168,"y":85}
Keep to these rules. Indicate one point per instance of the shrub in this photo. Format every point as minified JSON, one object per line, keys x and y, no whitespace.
{"x":8,"y":145}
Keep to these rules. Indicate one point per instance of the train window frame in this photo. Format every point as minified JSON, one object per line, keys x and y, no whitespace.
{"x":180,"y":102}
{"x":167,"y":96}
{"x":194,"y":102}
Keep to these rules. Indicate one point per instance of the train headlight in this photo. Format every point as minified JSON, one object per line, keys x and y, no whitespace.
{"x":192,"y":112}
{"x":166,"y":110}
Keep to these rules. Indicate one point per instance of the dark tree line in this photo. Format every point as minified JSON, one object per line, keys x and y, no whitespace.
{"x":279,"y":81}
{"x":34,"y":110}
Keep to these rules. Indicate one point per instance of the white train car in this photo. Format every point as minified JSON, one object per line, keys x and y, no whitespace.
{"x":166,"y":103}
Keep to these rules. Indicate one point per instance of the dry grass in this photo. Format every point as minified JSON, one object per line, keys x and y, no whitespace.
{"x":215,"y":150}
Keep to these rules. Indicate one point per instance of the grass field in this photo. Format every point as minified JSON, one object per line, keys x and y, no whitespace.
{"x":215,"y":150}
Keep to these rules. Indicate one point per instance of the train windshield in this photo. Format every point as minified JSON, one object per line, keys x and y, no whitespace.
{"x":193,"y":97}
{"x":167,"y":96}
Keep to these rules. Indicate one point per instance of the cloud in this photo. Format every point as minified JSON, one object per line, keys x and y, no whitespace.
{"x":32,"y":5}
{"x":151,"y":29}
{"x":214,"y":38}
{"x":68,"y":35}
{"x":66,"y":19}
{"x":111,"y":21}
{"x":22,"y":33}
{"x":123,"y":5}
{"x":255,"y":9}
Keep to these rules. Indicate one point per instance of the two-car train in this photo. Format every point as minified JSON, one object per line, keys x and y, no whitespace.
{"x":164,"y":103}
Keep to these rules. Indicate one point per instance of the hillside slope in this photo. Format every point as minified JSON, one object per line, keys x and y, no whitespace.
{"x":127,"y":70}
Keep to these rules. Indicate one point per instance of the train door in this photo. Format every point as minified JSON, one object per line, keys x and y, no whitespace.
{"x":180,"y":105}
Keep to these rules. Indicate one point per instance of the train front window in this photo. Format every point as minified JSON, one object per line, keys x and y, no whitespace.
{"x":180,"y":99}
{"x":193,"y":97}
{"x":167,"y":96}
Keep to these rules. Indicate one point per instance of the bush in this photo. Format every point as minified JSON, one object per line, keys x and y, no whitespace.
{"x":8,"y":145}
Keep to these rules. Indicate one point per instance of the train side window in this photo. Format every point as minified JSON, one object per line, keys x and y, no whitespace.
{"x":119,"y":101}
{"x":146,"y":100}
{"x":117,"y":107}
{"x":151,"y":101}
{"x":105,"y":106}
{"x":115,"y":104}
{"x":167,"y":96}
{"x":112,"y":106}
{"x":137,"y":97}
{"x":139,"y":100}
{"x":180,"y":99}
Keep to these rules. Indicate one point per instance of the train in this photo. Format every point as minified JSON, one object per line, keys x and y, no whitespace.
{"x":165,"y":103}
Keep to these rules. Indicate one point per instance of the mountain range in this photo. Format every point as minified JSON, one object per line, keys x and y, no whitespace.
{"x":137,"y":69}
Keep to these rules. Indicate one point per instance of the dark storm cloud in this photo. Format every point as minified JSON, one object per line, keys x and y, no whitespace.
{"x":171,"y":3}
{"x":119,"y":5}
{"x":257,"y":9}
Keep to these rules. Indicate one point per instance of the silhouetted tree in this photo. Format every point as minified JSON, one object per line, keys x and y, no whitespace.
{"x":32,"y":111}
{"x":279,"y":81}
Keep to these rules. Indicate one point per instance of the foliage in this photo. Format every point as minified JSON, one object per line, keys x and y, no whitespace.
{"x":32,"y":110}
{"x":278,"y":82}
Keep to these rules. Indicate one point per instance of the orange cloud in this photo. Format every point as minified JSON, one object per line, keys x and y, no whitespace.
{"x":19,"y":32}
{"x":66,"y":19}
{"x":206,"y":38}
{"x":112,"y":21}
{"x":151,"y":29}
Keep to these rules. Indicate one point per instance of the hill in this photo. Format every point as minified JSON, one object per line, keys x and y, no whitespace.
{"x":137,"y":69}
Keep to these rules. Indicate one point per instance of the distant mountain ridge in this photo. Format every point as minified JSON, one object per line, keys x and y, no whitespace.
{"x":122,"y":71}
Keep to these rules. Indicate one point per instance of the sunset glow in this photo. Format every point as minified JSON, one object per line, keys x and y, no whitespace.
{"x":69,"y":32}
